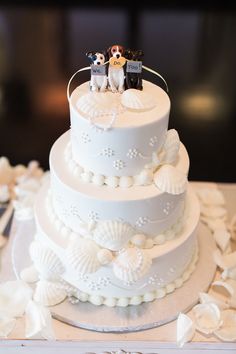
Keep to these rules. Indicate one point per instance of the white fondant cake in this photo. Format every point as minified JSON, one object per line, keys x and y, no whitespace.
{"x":118,"y":223}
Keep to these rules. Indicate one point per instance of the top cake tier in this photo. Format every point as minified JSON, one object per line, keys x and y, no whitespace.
{"x":115,"y":134}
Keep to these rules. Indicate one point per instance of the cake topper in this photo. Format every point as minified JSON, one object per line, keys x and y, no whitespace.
{"x":98,"y":81}
{"x":116,"y":75}
{"x":133,"y":78}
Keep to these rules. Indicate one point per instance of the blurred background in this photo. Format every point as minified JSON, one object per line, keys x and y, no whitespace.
{"x":192,"y":47}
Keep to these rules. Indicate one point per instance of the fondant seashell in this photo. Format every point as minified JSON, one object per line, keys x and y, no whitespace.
{"x":45,"y":261}
{"x":48,"y":293}
{"x":170,"y":148}
{"x":185,"y":329}
{"x":82,"y":256}
{"x":170,"y":180}
{"x":207,"y":317}
{"x":137,"y":100}
{"x":94,"y":104}
{"x":113,"y":234}
{"x":131,"y":265}
{"x":227,"y":331}
{"x":30,"y":274}
{"x":105,"y":256}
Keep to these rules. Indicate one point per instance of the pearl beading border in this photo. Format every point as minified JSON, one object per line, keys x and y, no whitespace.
{"x":137,"y":299}
{"x":144,"y":178}
{"x":69,"y":234}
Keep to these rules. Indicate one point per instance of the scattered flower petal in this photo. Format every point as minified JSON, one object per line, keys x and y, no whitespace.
{"x":222,"y":238}
{"x":223,"y":286}
{"x":211,"y":196}
{"x":185,"y":329}
{"x":207,"y":317}
{"x":227,"y":332}
{"x":14,"y":297}
{"x":232,"y":227}
{"x":4,"y":193}
{"x":6,"y":325}
{"x":213,"y":211}
{"x":38,"y":322}
{"x":207,"y":299}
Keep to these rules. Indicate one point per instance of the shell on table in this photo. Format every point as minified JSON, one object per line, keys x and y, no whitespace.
{"x":49,"y":293}
{"x":45,"y":261}
{"x":170,"y":148}
{"x":95,"y":104}
{"x":170,"y":180}
{"x":113,"y":234}
{"x":82,"y":256}
{"x":137,"y":100}
{"x":131,"y":264}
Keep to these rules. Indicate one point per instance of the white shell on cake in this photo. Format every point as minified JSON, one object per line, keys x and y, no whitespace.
{"x":82,"y":256}
{"x":94,"y":104}
{"x":137,"y":100}
{"x":131,"y":265}
{"x":105,"y":256}
{"x":45,"y":261}
{"x":29,"y":274}
{"x":113,"y":234}
{"x":48,"y":293}
{"x":170,"y":180}
{"x":170,"y":148}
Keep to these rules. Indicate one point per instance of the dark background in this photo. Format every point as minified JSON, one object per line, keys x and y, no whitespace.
{"x":194,"y":48}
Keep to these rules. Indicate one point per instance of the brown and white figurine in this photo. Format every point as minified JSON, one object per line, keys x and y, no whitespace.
{"x":116,"y":75}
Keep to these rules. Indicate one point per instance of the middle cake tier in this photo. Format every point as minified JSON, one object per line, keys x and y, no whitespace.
{"x":145,"y":208}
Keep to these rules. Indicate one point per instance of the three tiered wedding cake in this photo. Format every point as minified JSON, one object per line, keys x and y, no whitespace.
{"x":118,"y":222}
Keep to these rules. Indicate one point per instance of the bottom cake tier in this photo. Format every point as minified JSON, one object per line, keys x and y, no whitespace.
{"x":127,"y":277}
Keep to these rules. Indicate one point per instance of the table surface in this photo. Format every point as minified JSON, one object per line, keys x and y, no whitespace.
{"x":161,"y":339}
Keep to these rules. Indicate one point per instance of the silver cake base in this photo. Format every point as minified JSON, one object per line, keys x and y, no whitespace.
{"x":131,"y":318}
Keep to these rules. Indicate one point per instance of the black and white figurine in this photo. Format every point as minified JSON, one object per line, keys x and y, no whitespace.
{"x":116,"y":75}
{"x":98,"y":81}
{"x":133,"y":78}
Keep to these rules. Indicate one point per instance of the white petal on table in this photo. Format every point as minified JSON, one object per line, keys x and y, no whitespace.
{"x":207,"y":318}
{"x":185,"y":329}
{"x":208,"y":298}
{"x":38,"y":322}
{"x":222,"y":238}
{"x":6,"y":325}
{"x":211,"y":196}
{"x":14,"y":297}
{"x":227,"y":331}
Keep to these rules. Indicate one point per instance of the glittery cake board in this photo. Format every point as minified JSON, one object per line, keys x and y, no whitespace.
{"x":131,"y":318}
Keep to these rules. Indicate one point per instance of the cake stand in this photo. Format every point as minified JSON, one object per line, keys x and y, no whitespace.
{"x":131,"y":318}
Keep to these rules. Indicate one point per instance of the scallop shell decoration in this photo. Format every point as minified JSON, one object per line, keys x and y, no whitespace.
{"x":170,"y":180}
{"x":45,"y":261}
{"x":113,"y":234}
{"x":48,"y":293}
{"x":170,"y":148}
{"x":137,"y":100}
{"x":131,"y":265}
{"x":82,"y":256}
{"x":99,"y":103}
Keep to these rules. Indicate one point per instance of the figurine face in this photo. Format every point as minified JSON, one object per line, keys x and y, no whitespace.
{"x":116,"y":51}
{"x":96,"y":58}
